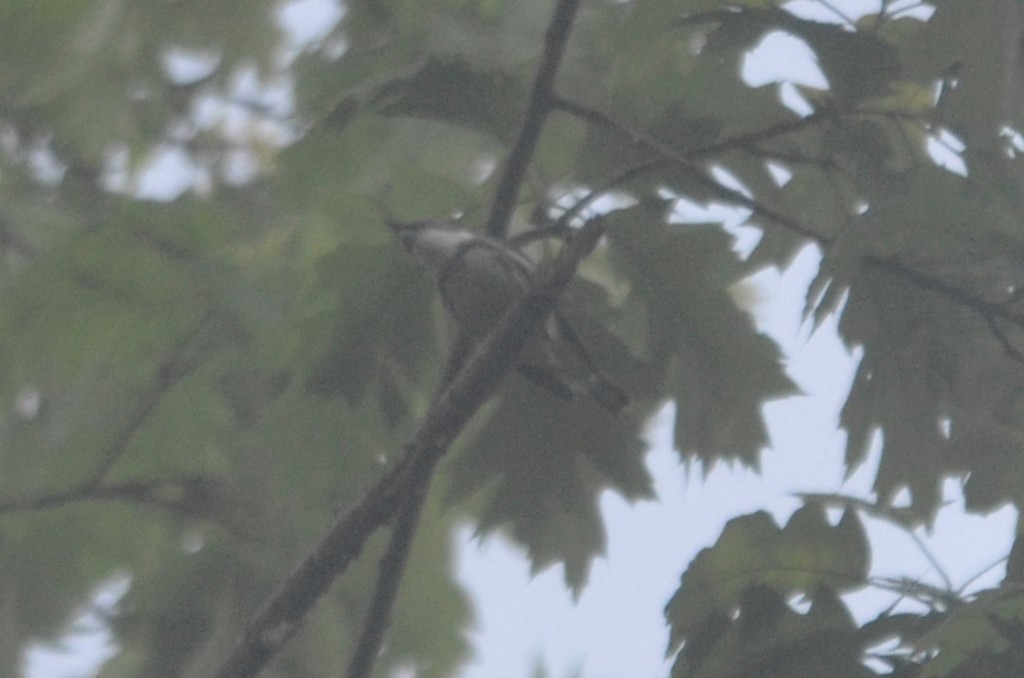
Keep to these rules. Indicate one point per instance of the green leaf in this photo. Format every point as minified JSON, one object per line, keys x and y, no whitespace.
{"x":991,"y":450}
{"x":452,"y":91}
{"x":378,"y":321}
{"x":753,"y":569}
{"x":540,"y":465}
{"x":720,"y":369}
{"x":979,"y":638}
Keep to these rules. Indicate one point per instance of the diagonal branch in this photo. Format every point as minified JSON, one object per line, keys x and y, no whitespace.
{"x":175,"y":494}
{"x":737,"y":142}
{"x":685,"y":161}
{"x":1011,"y":351}
{"x":561,"y":227}
{"x":988,"y":311}
{"x":533,"y":122}
{"x":392,"y":566}
{"x":472,"y":385}
{"x":171,"y":370}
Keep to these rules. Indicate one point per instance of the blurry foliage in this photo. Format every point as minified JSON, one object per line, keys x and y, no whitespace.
{"x":190,"y":386}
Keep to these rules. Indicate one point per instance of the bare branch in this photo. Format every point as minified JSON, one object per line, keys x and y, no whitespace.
{"x":1011,"y":351}
{"x":560,"y":227}
{"x":175,"y":494}
{"x":533,"y":122}
{"x":738,"y":142}
{"x":170,"y":371}
{"x":392,"y":567}
{"x":989,"y":311}
{"x":846,"y":18}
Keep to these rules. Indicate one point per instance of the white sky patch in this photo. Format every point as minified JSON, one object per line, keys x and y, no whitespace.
{"x":187,"y":66}
{"x":309,"y":21}
{"x":170,"y":174}
{"x":88,"y":644}
{"x":945,"y":149}
{"x":781,"y":57}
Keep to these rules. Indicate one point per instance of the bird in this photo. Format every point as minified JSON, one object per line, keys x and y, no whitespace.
{"x":479,"y":279}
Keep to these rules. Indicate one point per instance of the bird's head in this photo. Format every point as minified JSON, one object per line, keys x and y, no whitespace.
{"x":432,"y":242}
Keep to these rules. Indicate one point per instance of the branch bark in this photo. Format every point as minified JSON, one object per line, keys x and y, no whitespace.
{"x":541,"y":98}
{"x":174,"y":494}
{"x":392,"y":567}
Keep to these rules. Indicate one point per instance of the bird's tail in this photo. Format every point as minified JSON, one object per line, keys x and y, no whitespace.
{"x":547,"y":380}
{"x":601,"y":389}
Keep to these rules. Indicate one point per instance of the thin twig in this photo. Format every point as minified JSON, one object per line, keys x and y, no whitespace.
{"x":519,"y":158}
{"x":930,"y":557}
{"x":846,"y":18}
{"x":392,"y":563}
{"x":167,"y":493}
{"x":1009,"y":349}
{"x":170,"y":371}
{"x":737,"y":142}
{"x":392,"y":567}
{"x":560,"y":228}
{"x":684,"y":161}
{"x":911,"y":7}
{"x":985,"y":570}
{"x":984,"y":308}
{"x":932,"y":596}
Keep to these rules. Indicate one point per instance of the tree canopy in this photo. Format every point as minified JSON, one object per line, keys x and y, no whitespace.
{"x":224,"y":385}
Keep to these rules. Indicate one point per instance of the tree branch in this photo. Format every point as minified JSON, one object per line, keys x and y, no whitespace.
{"x":392,"y":567}
{"x":685,"y":161}
{"x":987,"y":310}
{"x":738,"y":142}
{"x":533,"y":122}
{"x":169,"y":493}
{"x":561,"y":228}
{"x":284,"y":612}
{"x":170,"y":371}
{"x":1009,"y":349}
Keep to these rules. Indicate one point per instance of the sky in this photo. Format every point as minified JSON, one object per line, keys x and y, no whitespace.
{"x":616,"y":627}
